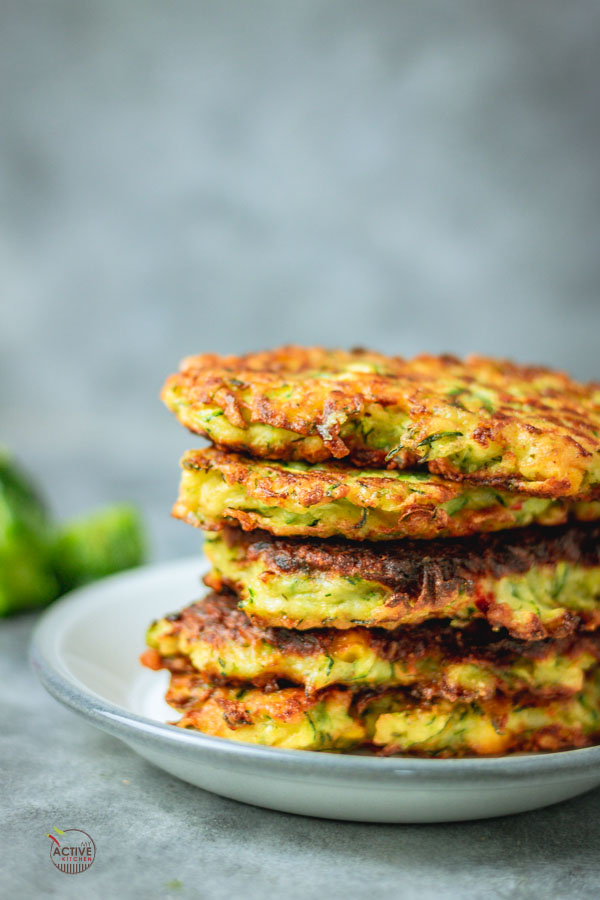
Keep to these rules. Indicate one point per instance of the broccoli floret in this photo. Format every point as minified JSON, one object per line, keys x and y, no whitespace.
{"x":99,"y":544}
{"x":27,"y":577}
{"x":40,"y":560}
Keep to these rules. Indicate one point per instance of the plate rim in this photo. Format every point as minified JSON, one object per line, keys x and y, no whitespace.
{"x":127,"y":725}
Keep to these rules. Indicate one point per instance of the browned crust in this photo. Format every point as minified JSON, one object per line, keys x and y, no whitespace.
{"x":216,"y":620}
{"x":411,"y":567}
{"x":186,"y":690}
{"x":427,"y":575}
{"x":417,"y":503}
{"x":544,"y":406}
{"x":189,"y":695}
{"x":312,"y":486}
{"x":548,"y":738}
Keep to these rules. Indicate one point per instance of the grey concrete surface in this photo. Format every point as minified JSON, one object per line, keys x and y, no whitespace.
{"x":188,"y":176}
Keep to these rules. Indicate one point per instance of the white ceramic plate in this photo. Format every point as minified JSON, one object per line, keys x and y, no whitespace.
{"x":85,"y":651}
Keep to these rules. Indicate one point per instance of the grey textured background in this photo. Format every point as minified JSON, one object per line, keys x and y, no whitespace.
{"x":188,"y":176}
{"x":179,"y":177}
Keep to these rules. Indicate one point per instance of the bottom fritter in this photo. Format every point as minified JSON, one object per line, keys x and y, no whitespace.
{"x":391,"y":721}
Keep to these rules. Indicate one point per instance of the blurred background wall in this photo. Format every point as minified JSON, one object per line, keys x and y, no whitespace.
{"x":180,"y":177}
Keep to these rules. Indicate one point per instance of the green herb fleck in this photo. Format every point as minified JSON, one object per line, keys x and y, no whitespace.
{"x":431,"y":438}
{"x":559,"y":582}
{"x":393,"y":452}
{"x":455,"y":505}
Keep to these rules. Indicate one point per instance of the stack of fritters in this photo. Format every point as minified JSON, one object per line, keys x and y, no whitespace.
{"x":406,"y":554}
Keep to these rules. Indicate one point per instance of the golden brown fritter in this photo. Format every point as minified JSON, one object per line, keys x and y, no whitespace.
{"x":525,"y":428}
{"x":501,"y":725}
{"x":536,"y":582}
{"x":287,"y":718}
{"x":434,"y":660}
{"x":329,"y":499}
{"x":392,"y":721}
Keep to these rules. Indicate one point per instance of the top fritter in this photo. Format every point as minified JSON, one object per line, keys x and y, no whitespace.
{"x":525,"y":428}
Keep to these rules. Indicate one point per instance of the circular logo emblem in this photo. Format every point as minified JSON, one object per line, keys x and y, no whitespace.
{"x":72,"y":851}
